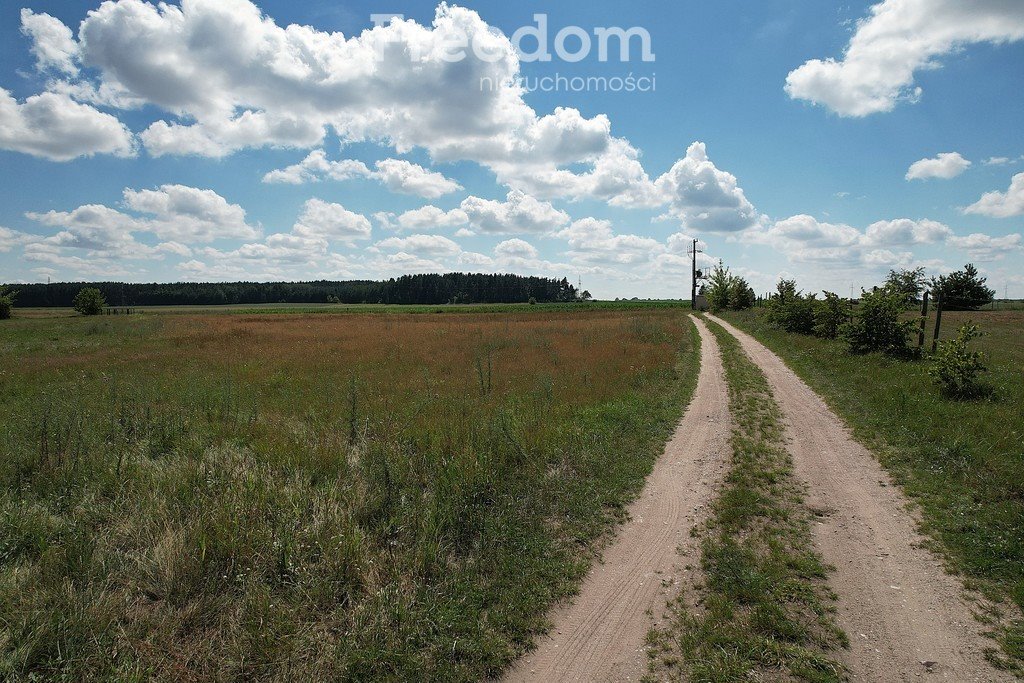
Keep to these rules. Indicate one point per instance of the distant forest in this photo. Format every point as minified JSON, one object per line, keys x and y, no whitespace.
{"x":453,"y":288}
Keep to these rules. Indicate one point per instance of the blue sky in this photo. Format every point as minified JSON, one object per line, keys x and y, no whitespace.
{"x":141,"y":144}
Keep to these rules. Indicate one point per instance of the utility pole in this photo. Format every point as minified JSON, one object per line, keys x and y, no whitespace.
{"x":693,"y":274}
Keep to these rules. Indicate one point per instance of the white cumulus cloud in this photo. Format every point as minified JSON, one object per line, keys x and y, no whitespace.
{"x":189,"y":214}
{"x":804,"y":238}
{"x":897,"y":39}
{"x":431,"y":217}
{"x":399,"y":175}
{"x":228,"y":77}
{"x":946,"y":165}
{"x":12,"y":238}
{"x":703,"y":197}
{"x":594,"y":240}
{"x":53,"y":44}
{"x":1001,"y":204}
{"x":326,"y":220}
{"x":316,"y":167}
{"x":519,"y":213}
{"x":906,"y":231}
{"x":516,"y":248}
{"x":175,"y":212}
{"x":55,"y":127}
{"x":430,"y":245}
{"x":982,"y":247}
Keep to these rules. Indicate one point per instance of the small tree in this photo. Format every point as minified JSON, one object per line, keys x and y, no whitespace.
{"x":726,"y":291}
{"x":89,"y":301}
{"x":955,"y":367}
{"x":879,"y":325}
{"x":717,"y":289}
{"x":790,"y":309}
{"x":785,"y":290}
{"x":830,"y":315}
{"x":741,"y":294}
{"x":963,"y":290}
{"x":909,"y":283}
{"x":6,"y":303}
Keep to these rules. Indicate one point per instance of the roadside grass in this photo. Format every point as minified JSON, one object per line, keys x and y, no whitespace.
{"x":764,"y":608}
{"x":961,"y":461}
{"x":276,"y":498}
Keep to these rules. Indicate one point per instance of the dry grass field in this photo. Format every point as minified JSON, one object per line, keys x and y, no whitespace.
{"x":306,"y":497}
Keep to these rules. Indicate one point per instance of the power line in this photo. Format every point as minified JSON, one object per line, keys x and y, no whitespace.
{"x":693,"y":251}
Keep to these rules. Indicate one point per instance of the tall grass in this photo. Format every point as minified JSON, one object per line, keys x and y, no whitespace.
{"x":198,"y":498}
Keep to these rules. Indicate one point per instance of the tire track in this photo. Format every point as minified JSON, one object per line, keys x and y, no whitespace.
{"x":601,"y":636}
{"x":905,"y":616}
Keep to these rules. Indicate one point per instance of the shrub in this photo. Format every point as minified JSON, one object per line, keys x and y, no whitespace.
{"x":878,"y":324}
{"x":955,"y":367}
{"x":741,"y":294}
{"x":89,"y":301}
{"x":6,"y":303}
{"x":790,"y":310}
{"x":533,"y":301}
{"x":963,"y":290}
{"x":728,"y":292}
{"x":830,"y":314}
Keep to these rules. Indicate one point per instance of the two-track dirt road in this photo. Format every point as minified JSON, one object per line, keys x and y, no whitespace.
{"x":905,"y":616}
{"x":600,"y":636}
{"x":897,"y":604}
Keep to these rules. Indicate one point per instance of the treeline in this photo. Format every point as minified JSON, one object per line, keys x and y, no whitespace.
{"x":465,"y":288}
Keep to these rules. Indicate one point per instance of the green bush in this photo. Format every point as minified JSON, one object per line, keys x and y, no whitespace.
{"x":790,"y":309}
{"x":89,"y":301}
{"x":728,"y":292}
{"x":955,"y":367}
{"x":741,"y":295}
{"x":6,"y":303}
{"x":878,"y":324}
{"x":830,"y":314}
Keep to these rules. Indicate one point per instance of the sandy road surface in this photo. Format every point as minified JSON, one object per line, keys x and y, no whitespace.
{"x":600,"y":636}
{"x":896,"y":602}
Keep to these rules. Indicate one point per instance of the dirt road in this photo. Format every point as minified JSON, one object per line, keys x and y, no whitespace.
{"x":906,"y":618}
{"x":600,"y":636}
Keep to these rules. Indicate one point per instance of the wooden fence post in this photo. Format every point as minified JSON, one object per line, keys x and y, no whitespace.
{"x":924,"y":320}
{"x":938,"y":322}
